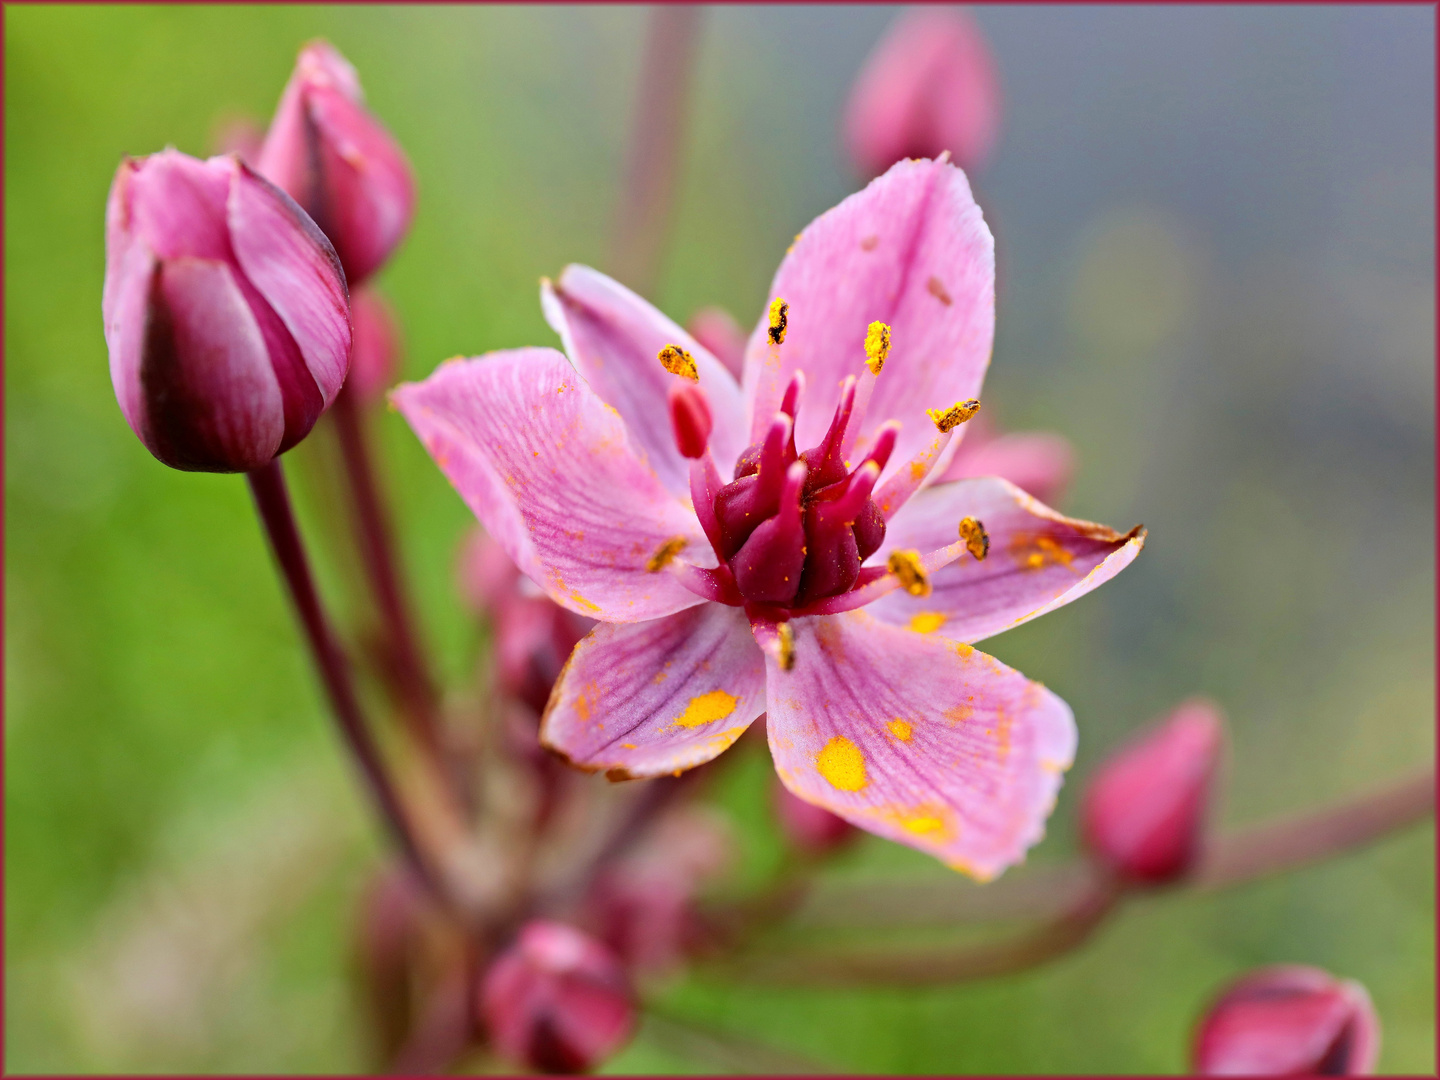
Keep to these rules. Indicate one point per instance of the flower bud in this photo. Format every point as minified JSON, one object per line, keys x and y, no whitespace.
{"x":556,"y":1000}
{"x":927,"y":87}
{"x":1143,"y":811}
{"x":377,"y":346}
{"x":238,"y":133}
{"x":1289,"y":1020}
{"x":225,"y":312}
{"x":810,"y":828}
{"x":327,"y":150}
{"x":717,"y":330}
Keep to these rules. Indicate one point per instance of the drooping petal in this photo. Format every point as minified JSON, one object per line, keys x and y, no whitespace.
{"x":910,"y":250}
{"x":613,"y":337}
{"x":646,"y":699}
{"x":920,"y":740}
{"x":1040,"y":462}
{"x":1038,"y":560}
{"x":549,"y":469}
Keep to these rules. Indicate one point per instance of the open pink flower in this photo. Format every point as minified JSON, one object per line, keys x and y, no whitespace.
{"x":733,"y":575}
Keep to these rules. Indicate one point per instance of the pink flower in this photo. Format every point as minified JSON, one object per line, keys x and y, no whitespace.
{"x":1289,"y":1020}
{"x":1038,"y":462}
{"x":1143,"y":813}
{"x":928,"y":87}
{"x":557,"y":1000}
{"x":225,"y":312}
{"x":719,"y":601}
{"x":336,"y":160}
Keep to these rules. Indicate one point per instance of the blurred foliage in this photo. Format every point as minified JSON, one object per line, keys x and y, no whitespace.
{"x":1215,"y":232}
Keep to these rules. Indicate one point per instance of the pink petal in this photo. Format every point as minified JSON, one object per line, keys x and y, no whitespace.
{"x":1039,"y":559}
{"x":293,"y":266}
{"x":920,"y":740}
{"x":178,"y":204}
{"x":612,"y":337}
{"x":1039,"y":462}
{"x":549,"y":469}
{"x":646,"y":699}
{"x":717,"y":330}
{"x":129,"y":271}
{"x":911,"y":250}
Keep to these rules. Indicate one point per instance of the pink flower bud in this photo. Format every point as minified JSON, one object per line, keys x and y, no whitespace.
{"x":377,"y":345}
{"x":690,"y":419}
{"x":717,"y":330}
{"x":1289,"y":1020}
{"x":225,"y":312}
{"x":812,"y":829}
{"x":237,"y":133}
{"x":1143,"y":811}
{"x":327,"y":150}
{"x":557,"y":1000}
{"x":928,"y":87}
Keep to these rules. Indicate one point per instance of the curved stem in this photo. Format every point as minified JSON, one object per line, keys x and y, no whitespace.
{"x":272,"y":501}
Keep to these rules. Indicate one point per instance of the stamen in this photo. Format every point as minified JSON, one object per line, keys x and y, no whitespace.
{"x":955,"y":415}
{"x":786,"y":658}
{"x":906,"y":566}
{"x":690,"y":418}
{"x":664,"y":553}
{"x":779,"y":316}
{"x":877,"y":346}
{"x":977,"y":540}
{"x":678,"y":362}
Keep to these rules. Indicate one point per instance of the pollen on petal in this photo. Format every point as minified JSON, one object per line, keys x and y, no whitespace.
{"x":779,"y":316}
{"x":977,"y":540}
{"x":955,"y":415}
{"x":906,"y":565}
{"x":706,"y":709}
{"x":927,"y":622}
{"x":678,"y":362}
{"x":664,"y":553}
{"x":877,"y":346}
{"x":842,"y":764}
{"x":901,"y":729}
{"x":786,"y":659}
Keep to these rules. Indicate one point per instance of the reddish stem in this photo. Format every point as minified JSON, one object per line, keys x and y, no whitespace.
{"x":272,"y":501}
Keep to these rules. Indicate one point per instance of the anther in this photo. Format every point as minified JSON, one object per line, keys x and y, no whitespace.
{"x":877,"y":346}
{"x":977,"y":540}
{"x":690,"y":419}
{"x":906,"y":566}
{"x":678,"y":362}
{"x":786,"y":636}
{"x":955,"y":415}
{"x":779,"y":316}
{"x":664,"y":554}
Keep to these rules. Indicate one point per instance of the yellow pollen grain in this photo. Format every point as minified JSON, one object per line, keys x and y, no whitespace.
{"x":877,"y":346}
{"x":977,"y":540}
{"x":677,"y":361}
{"x":955,"y":415}
{"x":842,"y":764}
{"x":779,"y":317}
{"x":786,"y":659}
{"x":706,"y":709}
{"x":906,"y":565}
{"x":664,"y":553}
{"x":901,"y":729}
{"x":927,"y":622}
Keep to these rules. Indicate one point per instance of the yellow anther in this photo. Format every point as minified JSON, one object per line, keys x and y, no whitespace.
{"x":679,"y":362}
{"x":786,"y":658}
{"x":779,"y":315}
{"x":877,"y":346}
{"x":955,"y":415}
{"x":977,"y":540}
{"x":664,"y":553}
{"x":906,"y":566}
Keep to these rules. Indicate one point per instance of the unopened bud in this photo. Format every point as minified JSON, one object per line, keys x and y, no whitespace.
{"x":717,"y":330}
{"x":928,"y":86}
{"x":810,"y":828}
{"x":336,"y":160}
{"x":377,"y":346}
{"x":225,"y":312}
{"x":1289,"y":1020}
{"x":1143,"y":811}
{"x":556,"y":1000}
{"x":690,"y":418}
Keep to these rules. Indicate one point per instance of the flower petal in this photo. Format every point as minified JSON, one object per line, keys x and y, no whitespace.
{"x":548,"y":468}
{"x":646,"y":699}
{"x":1039,"y":559}
{"x":612,"y":336}
{"x":923,"y":741}
{"x":1040,"y":462}
{"x":911,"y":250}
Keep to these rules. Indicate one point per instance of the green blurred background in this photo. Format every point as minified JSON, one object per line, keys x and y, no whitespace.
{"x":1216,"y":247}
